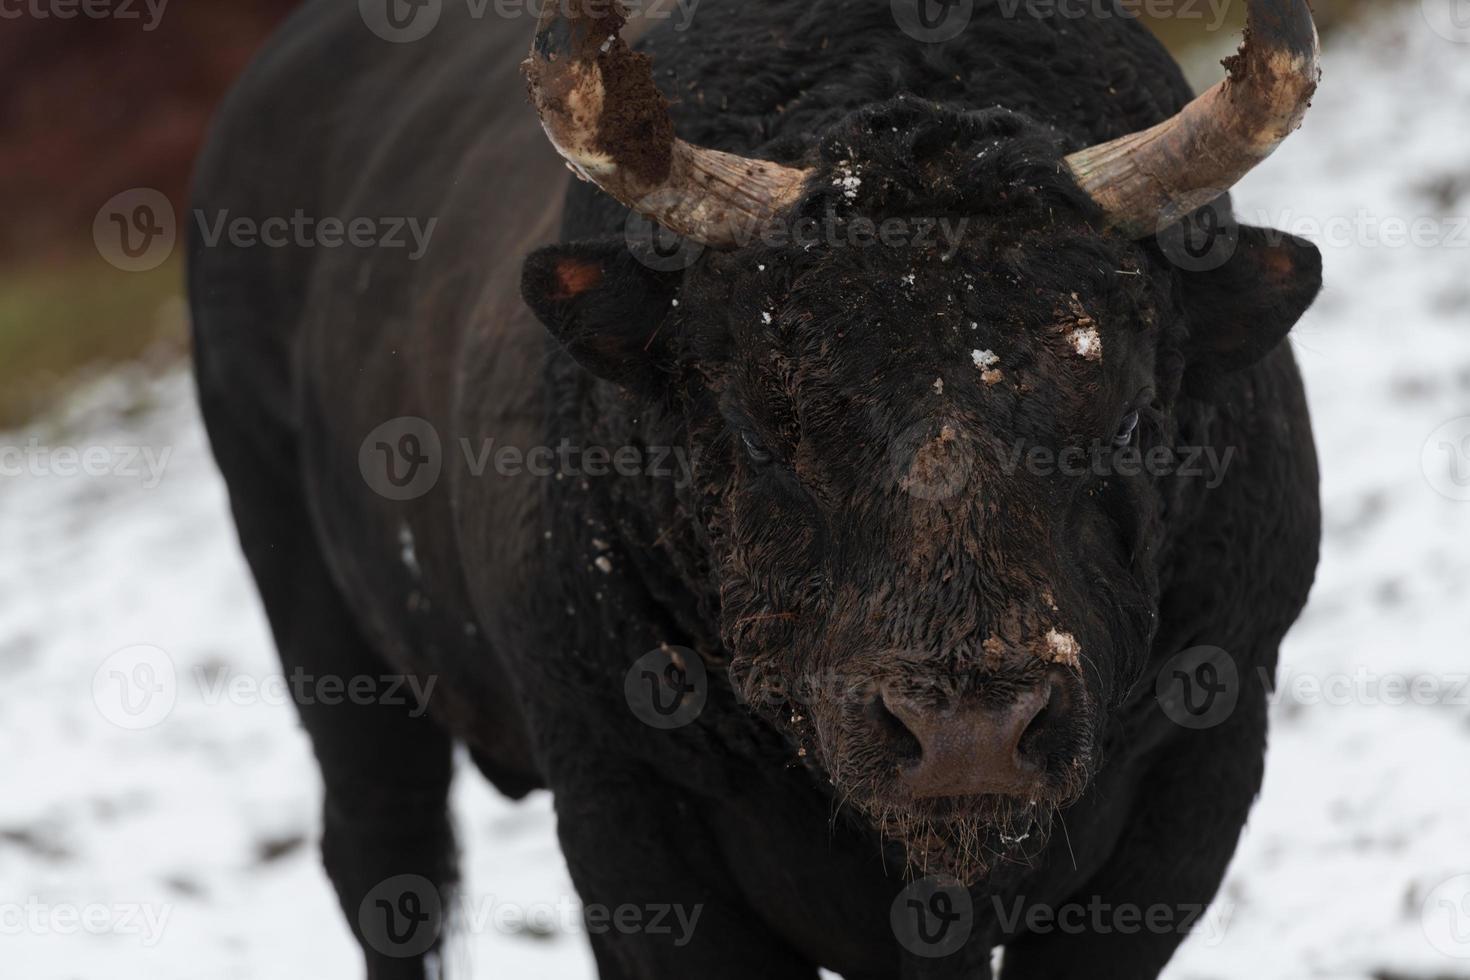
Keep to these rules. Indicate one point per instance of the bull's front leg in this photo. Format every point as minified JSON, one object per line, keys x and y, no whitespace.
{"x":657,"y":900}
{"x":1157,"y":884}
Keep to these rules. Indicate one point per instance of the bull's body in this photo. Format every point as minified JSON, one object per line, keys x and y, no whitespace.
{"x":493,"y":585}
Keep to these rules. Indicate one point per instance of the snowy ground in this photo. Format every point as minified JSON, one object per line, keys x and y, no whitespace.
{"x":181,"y":845}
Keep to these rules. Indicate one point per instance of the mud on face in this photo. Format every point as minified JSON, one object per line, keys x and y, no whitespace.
{"x":940,"y":630}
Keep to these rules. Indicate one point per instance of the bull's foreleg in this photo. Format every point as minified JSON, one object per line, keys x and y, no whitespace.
{"x":1157,"y":884}
{"x":659,"y":903}
{"x":386,"y":841}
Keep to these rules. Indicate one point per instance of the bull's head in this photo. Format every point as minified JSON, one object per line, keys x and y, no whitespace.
{"x":941,"y":624}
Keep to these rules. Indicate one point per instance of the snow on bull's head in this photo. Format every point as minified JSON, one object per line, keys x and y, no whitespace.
{"x":911,"y":384}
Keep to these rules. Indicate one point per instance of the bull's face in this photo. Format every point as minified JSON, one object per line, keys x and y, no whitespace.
{"x":939,"y":619}
{"x":921,"y":485}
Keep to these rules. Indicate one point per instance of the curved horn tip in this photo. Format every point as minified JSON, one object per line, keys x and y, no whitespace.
{"x":1154,"y":176}
{"x":605,"y":115}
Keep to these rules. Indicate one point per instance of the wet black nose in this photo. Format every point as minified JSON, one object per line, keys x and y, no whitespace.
{"x":973,"y":748}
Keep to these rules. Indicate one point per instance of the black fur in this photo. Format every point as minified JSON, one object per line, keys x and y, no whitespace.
{"x":793,"y":557}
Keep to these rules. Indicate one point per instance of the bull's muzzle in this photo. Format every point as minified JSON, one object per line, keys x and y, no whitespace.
{"x":974,"y":747}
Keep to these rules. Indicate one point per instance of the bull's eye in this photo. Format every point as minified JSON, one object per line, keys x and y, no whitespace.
{"x":1126,"y":430}
{"x":757,"y":451}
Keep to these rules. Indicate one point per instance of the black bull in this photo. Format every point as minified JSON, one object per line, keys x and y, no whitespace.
{"x":418,"y":478}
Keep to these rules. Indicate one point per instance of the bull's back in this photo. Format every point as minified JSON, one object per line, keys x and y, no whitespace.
{"x":321,"y":349}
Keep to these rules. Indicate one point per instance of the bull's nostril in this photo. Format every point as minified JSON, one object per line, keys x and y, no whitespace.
{"x":1046,"y":732}
{"x":895,"y":735}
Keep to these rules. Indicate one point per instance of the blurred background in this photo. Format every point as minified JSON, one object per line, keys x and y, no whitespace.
{"x":91,"y":108}
{"x":174,"y":836}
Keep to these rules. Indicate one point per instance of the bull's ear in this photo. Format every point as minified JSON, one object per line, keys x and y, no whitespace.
{"x":605,"y":307}
{"x":1239,"y":312}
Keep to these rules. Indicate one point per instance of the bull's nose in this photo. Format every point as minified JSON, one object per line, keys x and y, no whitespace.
{"x":972,"y":748}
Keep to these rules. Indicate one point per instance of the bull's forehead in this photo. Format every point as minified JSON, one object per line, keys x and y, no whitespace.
{"x":864,"y":349}
{"x":908,"y":324}
{"x":956,"y":382}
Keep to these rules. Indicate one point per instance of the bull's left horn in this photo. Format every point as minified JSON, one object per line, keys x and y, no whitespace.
{"x":1148,"y":179}
{"x":602,"y":111}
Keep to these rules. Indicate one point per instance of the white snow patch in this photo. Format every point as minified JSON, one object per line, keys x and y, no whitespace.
{"x":1087,"y":342}
{"x":1064,"y":647}
{"x":848,"y":181}
{"x":409,"y":551}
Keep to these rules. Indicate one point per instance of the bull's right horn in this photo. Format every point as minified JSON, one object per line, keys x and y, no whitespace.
{"x":602,"y":111}
{"x":1150,"y":178}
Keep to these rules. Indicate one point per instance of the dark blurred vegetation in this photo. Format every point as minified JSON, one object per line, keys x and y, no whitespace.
{"x":90,"y":108}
